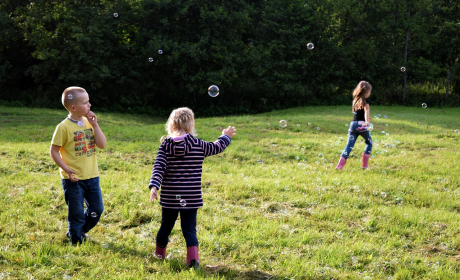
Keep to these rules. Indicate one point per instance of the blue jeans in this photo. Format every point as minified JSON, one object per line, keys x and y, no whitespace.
{"x":353,"y":133}
{"x":187,"y":223}
{"x":76,"y":194}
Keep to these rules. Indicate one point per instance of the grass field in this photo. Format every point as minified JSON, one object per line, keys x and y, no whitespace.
{"x":274,"y":206}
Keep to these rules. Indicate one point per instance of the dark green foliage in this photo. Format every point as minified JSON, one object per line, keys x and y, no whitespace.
{"x":255,"y":51}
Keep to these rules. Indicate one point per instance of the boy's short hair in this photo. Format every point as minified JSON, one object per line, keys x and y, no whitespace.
{"x":70,"y":95}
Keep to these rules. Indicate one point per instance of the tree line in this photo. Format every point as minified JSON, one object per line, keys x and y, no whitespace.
{"x":255,"y":51}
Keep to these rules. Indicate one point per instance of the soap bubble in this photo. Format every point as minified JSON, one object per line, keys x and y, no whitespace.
{"x":309,"y":123}
{"x":178,"y":196}
{"x":69,"y":96}
{"x":282,"y":123}
{"x":352,"y":137}
{"x":424,"y":105}
{"x":370,"y":127}
{"x":93,"y":214}
{"x":150,"y":59}
{"x":160,"y":51}
{"x":386,"y":124}
{"x":403,"y":69}
{"x":355,"y":112}
{"x":259,"y":161}
{"x":298,"y":124}
{"x":183,"y":202}
{"x":318,"y":128}
{"x":385,"y":116}
{"x":310,"y":46}
{"x":399,"y":200}
{"x":383,"y":132}
{"x":320,"y":155}
{"x":115,"y":15}
{"x":105,"y":245}
{"x":383,"y":194}
{"x":379,"y":115}
{"x":213,"y":91}
{"x":346,"y":124}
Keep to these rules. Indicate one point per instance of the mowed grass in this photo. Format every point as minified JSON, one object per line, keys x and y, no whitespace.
{"x":274,"y":206}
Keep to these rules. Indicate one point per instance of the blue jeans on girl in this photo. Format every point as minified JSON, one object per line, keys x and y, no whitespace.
{"x":187,"y":223}
{"x":353,"y":133}
{"x":75,"y":194}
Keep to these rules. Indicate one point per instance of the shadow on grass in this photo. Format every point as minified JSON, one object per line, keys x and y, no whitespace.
{"x":229,"y":271}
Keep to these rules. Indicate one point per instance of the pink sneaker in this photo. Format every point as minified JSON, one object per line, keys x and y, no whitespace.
{"x":341,"y":163}
{"x":160,"y":253}
{"x":192,"y":257}
{"x":366,"y":161}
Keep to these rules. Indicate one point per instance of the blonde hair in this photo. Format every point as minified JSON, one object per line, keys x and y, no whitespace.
{"x":70,"y":96}
{"x":180,"y":119}
{"x":359,"y":93}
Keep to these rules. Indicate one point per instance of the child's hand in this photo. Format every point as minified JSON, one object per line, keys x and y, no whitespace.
{"x":70,"y":172}
{"x":229,"y":131}
{"x":153,"y":194}
{"x":366,"y":124}
{"x":92,"y":118}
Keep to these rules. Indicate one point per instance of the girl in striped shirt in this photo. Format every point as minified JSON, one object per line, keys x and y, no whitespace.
{"x":177,"y":170}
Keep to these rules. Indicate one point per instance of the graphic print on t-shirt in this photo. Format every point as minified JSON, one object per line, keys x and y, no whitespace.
{"x":84,"y":142}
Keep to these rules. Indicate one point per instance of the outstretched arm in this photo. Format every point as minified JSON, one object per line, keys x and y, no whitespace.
{"x":214,"y":148}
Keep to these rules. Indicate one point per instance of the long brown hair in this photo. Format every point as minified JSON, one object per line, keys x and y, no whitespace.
{"x":359,"y":99}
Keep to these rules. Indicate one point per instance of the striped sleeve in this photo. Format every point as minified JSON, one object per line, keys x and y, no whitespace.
{"x":159,"y":168}
{"x":213,"y":148}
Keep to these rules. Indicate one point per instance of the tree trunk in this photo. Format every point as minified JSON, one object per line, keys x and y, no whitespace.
{"x":447,"y":84}
{"x":403,"y":97}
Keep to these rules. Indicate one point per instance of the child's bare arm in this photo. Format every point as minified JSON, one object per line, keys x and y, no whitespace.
{"x":99,"y":136}
{"x":366,"y":115}
{"x":54,"y":153}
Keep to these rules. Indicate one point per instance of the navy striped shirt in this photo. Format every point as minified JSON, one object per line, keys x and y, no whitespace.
{"x":178,"y":169}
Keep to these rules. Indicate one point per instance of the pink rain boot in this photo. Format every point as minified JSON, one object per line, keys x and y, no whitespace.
{"x":192,"y":257}
{"x":366,"y":161}
{"x":160,"y":253}
{"x":341,"y":163}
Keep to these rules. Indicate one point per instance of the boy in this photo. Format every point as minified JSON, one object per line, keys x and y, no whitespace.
{"x":73,"y":148}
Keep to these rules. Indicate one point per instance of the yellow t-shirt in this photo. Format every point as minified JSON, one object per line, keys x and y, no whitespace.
{"x":78,"y":148}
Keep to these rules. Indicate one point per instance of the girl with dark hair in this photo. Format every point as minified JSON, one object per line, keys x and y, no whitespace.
{"x":360,"y":124}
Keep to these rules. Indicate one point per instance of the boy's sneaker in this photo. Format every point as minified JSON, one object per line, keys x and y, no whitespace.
{"x":84,"y":237}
